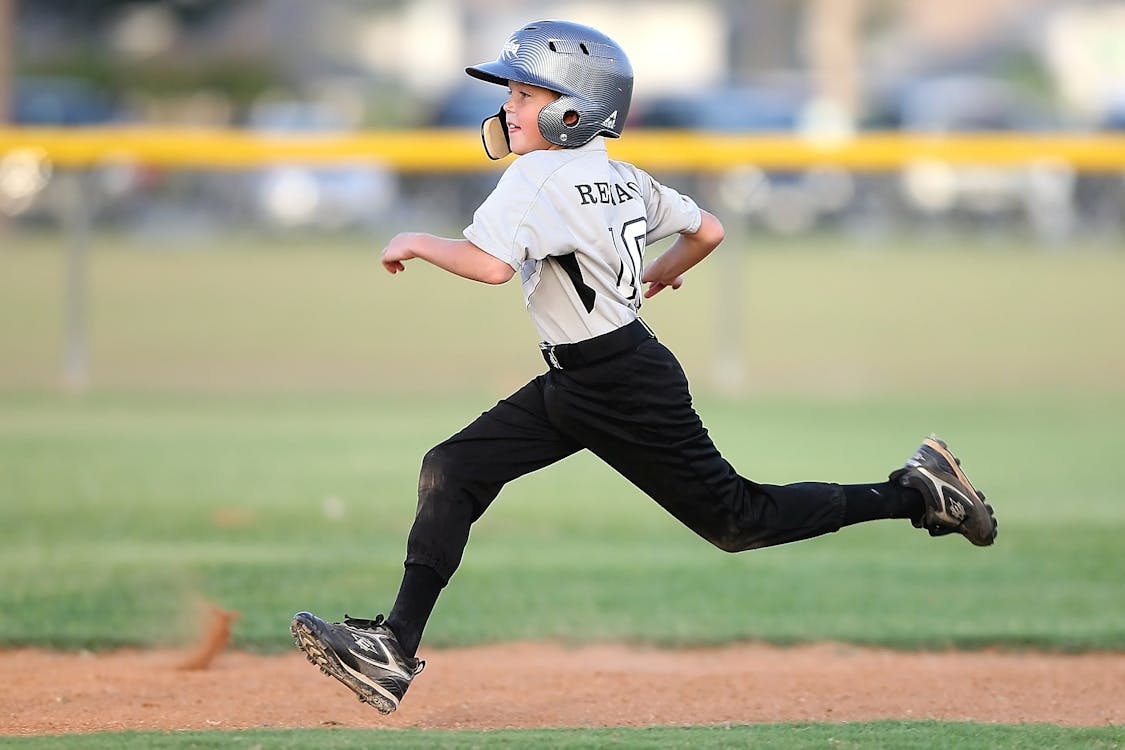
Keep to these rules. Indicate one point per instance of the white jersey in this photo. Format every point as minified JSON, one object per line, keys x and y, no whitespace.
{"x":574,"y":224}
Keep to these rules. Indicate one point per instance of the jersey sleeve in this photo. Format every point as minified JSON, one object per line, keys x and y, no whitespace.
{"x":669,"y":211}
{"x":516,"y":222}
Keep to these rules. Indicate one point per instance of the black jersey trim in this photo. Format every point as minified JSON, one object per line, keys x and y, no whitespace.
{"x":585,"y":292}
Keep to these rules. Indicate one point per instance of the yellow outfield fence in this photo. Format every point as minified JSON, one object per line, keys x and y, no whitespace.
{"x":460,"y":150}
{"x":68,"y":152}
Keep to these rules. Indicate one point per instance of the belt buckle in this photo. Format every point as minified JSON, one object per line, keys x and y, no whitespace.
{"x":549,"y":350}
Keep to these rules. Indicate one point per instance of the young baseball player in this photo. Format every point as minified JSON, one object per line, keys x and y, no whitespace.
{"x":574,"y":224}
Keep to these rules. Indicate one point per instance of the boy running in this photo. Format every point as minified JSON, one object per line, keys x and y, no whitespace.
{"x":574,"y":224}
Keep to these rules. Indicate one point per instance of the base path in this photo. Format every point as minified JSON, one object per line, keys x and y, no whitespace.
{"x":546,"y":685}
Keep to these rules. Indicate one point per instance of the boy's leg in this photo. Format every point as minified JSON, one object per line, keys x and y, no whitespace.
{"x":459,"y":479}
{"x":417,"y":595}
{"x":873,"y":502}
{"x":636,"y":414}
{"x":461,"y":476}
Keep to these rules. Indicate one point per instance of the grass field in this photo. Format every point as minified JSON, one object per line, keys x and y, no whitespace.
{"x":145,"y":501}
{"x":882,"y":734}
{"x":257,"y":414}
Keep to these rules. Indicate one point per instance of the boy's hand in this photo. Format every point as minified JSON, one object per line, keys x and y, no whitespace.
{"x":668,"y":269}
{"x":396,"y":251}
{"x":655,"y":287}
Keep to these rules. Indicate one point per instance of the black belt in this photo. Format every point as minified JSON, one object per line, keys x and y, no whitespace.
{"x":583,"y":353}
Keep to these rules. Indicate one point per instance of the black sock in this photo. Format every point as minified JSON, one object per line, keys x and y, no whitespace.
{"x":417,"y":596}
{"x":870,"y":502}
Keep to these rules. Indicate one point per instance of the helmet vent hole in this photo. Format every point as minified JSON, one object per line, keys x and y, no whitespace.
{"x":551,"y":46}
{"x":582,"y":46}
{"x":570,"y":118}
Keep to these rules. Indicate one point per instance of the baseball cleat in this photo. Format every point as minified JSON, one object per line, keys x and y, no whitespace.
{"x":952,"y":504}
{"x":365,"y":655}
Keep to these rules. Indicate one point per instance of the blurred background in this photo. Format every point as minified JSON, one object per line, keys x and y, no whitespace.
{"x":809,"y":70}
{"x":767,"y":66}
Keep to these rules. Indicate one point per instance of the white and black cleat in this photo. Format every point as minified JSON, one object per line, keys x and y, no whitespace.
{"x":365,"y":655}
{"x":952,"y":504}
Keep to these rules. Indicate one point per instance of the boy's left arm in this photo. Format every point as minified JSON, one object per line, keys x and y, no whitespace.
{"x":668,"y":269}
{"x":456,"y":256}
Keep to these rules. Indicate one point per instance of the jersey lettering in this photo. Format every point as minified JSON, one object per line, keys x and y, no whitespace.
{"x":604,"y":192}
{"x":631,"y":251}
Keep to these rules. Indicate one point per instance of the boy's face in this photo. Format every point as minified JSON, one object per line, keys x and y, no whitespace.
{"x":522,"y":113}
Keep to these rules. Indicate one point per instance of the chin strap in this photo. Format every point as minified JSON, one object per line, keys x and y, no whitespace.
{"x":494,"y":134}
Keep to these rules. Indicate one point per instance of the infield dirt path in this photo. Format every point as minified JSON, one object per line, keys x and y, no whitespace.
{"x":545,"y":685}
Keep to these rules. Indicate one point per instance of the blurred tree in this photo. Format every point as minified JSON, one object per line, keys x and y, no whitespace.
{"x":93,"y":13}
{"x":95,"y":42}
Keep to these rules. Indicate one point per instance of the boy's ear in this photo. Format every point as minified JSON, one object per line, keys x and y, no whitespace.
{"x":494,"y":134}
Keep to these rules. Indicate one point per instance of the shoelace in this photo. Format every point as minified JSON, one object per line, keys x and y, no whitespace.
{"x":358,"y":622}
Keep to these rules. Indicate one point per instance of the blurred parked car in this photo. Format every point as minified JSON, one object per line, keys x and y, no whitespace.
{"x":784,"y":202}
{"x":29,"y":184}
{"x":1039,"y":193}
{"x":61,"y":101}
{"x":291,"y":196}
{"x":1100,"y":196}
{"x":455,"y":195}
{"x":467,"y":105}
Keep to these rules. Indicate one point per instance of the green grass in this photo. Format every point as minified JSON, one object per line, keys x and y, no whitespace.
{"x":878,"y":734}
{"x":818,"y":317}
{"x":122,"y":510}
{"x":258,"y":412}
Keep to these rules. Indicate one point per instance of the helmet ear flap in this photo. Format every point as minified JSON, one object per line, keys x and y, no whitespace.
{"x":494,"y":135}
{"x":559,"y":119}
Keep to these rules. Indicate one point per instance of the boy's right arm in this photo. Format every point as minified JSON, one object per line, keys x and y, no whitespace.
{"x":456,"y":256}
{"x":667,"y":270}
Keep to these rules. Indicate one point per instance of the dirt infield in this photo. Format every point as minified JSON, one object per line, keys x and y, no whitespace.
{"x":545,"y":685}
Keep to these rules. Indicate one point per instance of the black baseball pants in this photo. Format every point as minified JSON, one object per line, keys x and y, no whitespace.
{"x":634,"y":411}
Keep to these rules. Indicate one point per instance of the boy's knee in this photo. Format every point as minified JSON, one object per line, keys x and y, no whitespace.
{"x":451,"y":482}
{"x":727,"y":544}
{"x":738,"y":540}
{"x":436,"y":466}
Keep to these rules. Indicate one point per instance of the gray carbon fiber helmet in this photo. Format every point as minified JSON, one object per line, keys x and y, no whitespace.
{"x":589,"y":70}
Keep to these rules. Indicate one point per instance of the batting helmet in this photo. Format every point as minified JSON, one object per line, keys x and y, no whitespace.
{"x":589,"y":70}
